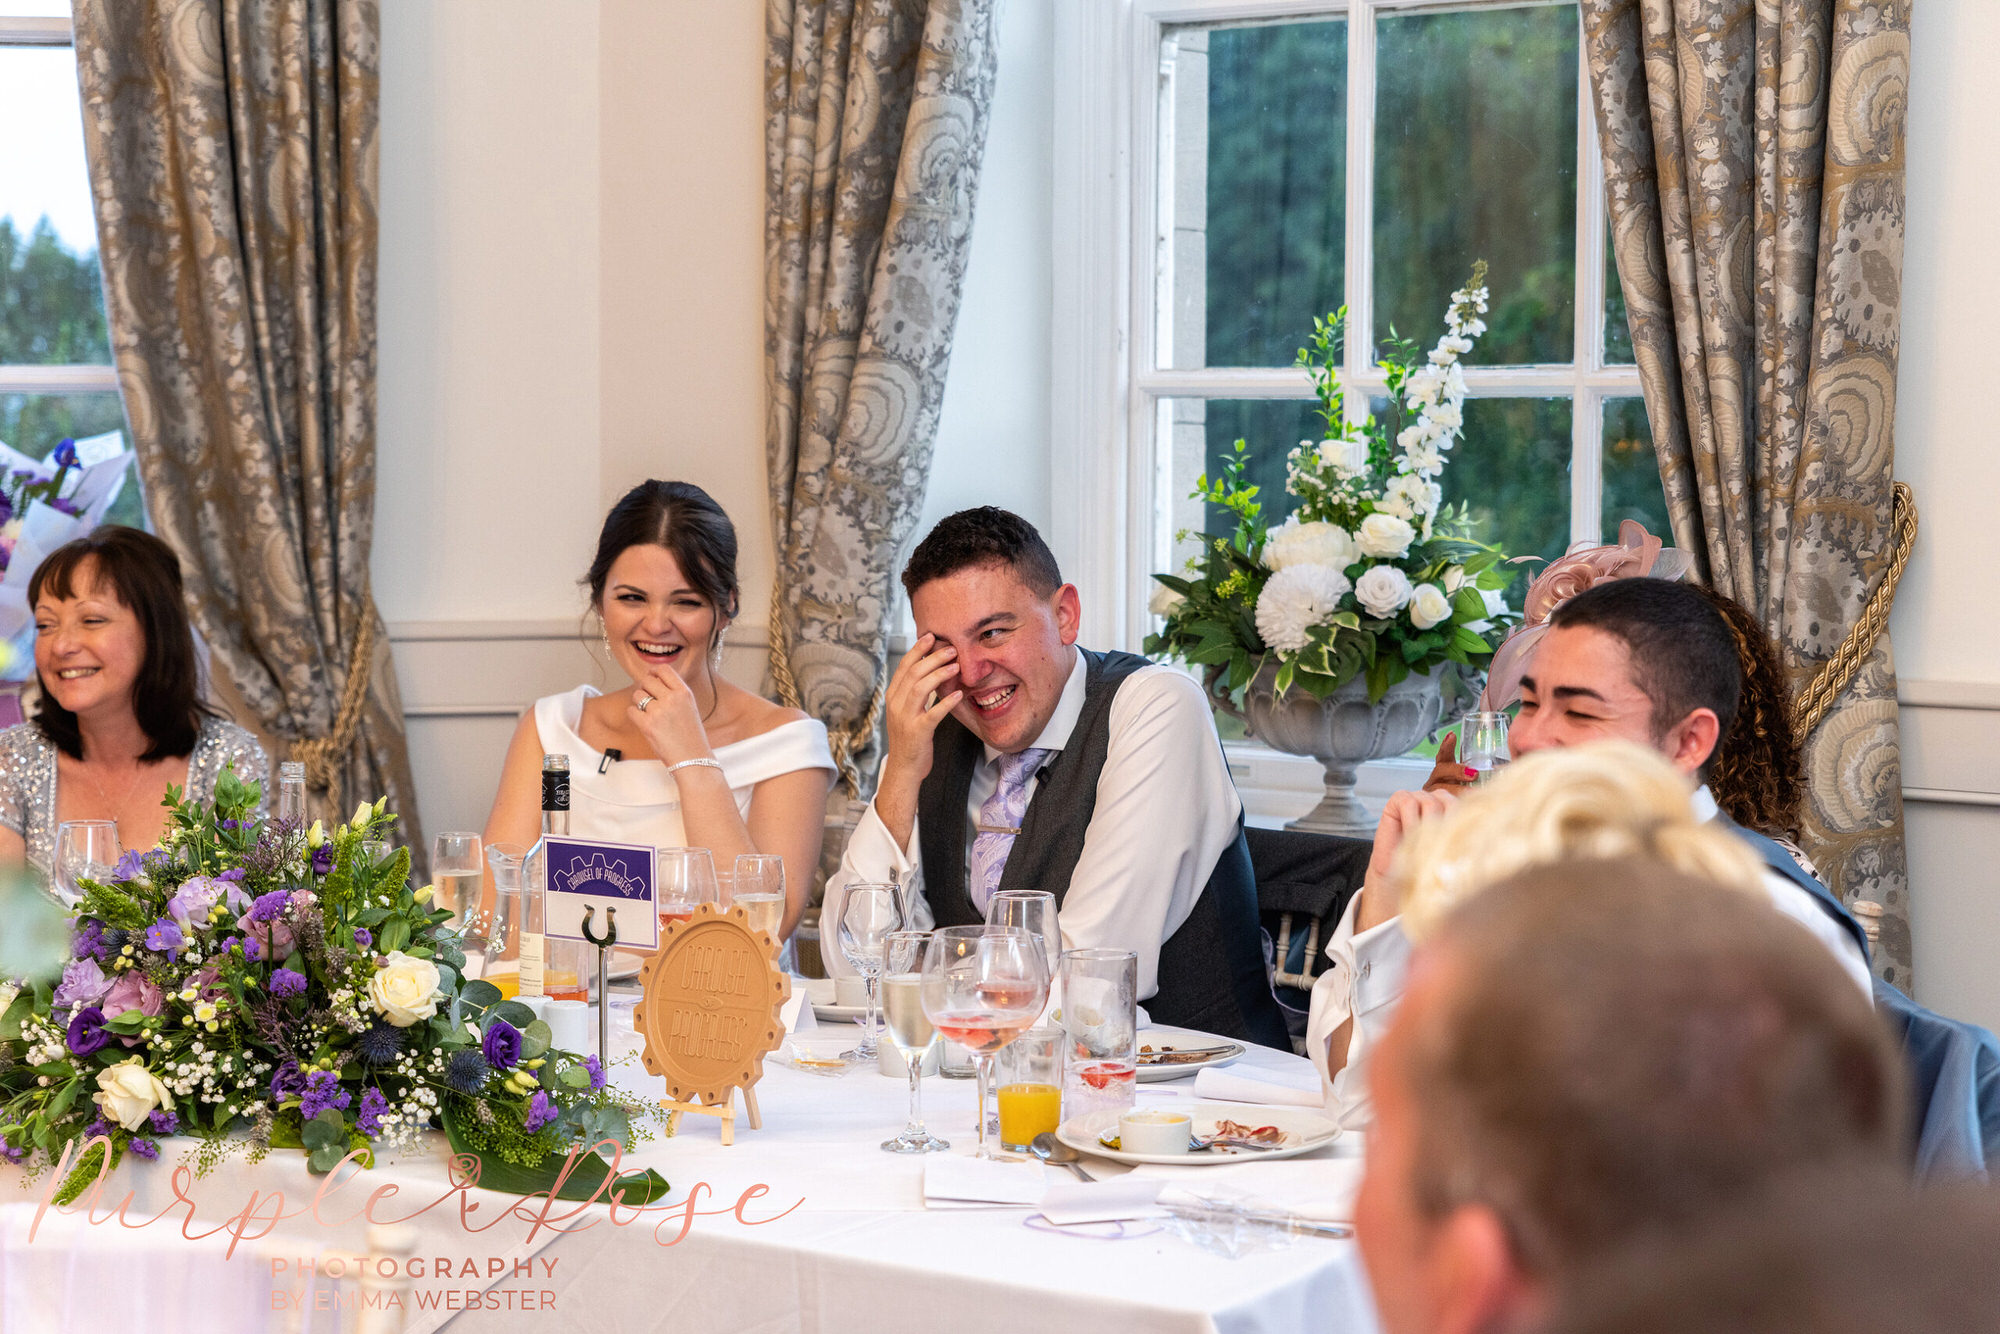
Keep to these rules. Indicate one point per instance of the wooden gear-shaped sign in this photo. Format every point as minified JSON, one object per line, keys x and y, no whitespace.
{"x":710,"y":1012}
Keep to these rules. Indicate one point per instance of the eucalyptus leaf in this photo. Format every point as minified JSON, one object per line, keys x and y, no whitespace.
{"x":515,"y":1013}
{"x":480,"y":994}
{"x":535,"y":1040}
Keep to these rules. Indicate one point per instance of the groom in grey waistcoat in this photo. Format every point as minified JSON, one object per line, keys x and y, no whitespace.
{"x":1019,"y":760}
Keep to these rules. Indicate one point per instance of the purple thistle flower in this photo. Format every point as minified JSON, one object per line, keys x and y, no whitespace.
{"x":363,"y":937}
{"x":269,"y":907}
{"x":502,"y":1045}
{"x":287,"y":1082}
{"x":165,"y":936}
{"x":540,"y":1112}
{"x":322,"y":1092}
{"x":595,"y":1068}
{"x":164,"y":1123}
{"x":368,"y":1121}
{"x":322,"y":859}
{"x":145,"y":1148}
{"x":285,"y":982}
{"x":86,"y":1031}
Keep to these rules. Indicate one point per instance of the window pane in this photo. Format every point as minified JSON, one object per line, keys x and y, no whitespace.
{"x":1272,"y":428}
{"x":1512,"y":469}
{"x":1617,"y":332}
{"x":1253,"y":189}
{"x":36,"y":423}
{"x":1632,"y":487}
{"x":51,"y":305}
{"x":1475,"y":158}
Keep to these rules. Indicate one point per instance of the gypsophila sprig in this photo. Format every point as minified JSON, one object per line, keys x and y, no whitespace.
{"x":1371,"y":573}
{"x":254,"y":984}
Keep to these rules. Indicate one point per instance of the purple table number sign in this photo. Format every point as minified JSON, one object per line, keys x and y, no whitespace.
{"x":583,"y":874}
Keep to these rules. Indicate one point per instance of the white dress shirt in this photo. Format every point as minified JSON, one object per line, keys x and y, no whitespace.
{"x":1165,"y":812}
{"x":1366,"y":971}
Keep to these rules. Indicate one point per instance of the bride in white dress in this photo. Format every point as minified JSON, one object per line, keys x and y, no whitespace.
{"x":680,"y":757}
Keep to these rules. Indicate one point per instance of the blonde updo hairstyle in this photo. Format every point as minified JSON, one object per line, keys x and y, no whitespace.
{"x":1607,"y":800}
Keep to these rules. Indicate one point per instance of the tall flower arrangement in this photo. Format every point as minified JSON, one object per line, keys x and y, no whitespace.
{"x":253,"y":983}
{"x":1372,"y":574}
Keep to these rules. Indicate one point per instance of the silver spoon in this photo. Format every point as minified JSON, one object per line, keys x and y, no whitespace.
{"x":1049,"y":1149}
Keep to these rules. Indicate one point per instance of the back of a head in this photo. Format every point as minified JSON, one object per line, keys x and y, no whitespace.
{"x":1683,"y":655}
{"x":985,"y":535}
{"x":1607,"y":799}
{"x":1841,"y":1253}
{"x":1755,"y":772}
{"x":1618,"y":1047}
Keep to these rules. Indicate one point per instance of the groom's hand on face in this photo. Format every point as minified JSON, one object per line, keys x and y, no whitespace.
{"x":921,"y":692}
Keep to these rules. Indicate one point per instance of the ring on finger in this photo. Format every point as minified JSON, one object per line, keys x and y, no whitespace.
{"x":642,"y":699}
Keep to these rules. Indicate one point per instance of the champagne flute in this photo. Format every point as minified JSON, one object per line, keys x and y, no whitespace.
{"x":983,"y":987}
{"x":910,"y":1029}
{"x":85,"y":850}
{"x":867,"y":916}
{"x":760,"y":890}
{"x":457,"y":866}
{"x":687,"y":880}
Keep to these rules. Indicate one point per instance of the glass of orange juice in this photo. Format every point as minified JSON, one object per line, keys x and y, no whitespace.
{"x":1030,"y":1095}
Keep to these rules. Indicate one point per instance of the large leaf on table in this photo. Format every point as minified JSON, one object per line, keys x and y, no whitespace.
{"x":497,"y":1174}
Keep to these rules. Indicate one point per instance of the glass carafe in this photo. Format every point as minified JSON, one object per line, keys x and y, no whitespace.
{"x":493,"y":942}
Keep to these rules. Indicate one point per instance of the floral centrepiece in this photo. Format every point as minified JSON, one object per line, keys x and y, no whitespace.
{"x":252,"y":983}
{"x":1372,"y":575}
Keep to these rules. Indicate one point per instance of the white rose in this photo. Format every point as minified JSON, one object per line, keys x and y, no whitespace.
{"x":1165,"y":601}
{"x":1295,"y":543}
{"x":1383,"y":591}
{"x":1428,"y":605}
{"x":128,"y":1093}
{"x":1454,"y":578}
{"x":1345,"y":456}
{"x":1495,"y":599}
{"x":404,"y":989}
{"x":1385,"y":535}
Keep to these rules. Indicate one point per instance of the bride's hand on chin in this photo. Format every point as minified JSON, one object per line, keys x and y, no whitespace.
{"x":671,"y":721}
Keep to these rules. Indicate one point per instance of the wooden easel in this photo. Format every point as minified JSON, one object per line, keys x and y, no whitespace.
{"x":724,"y":1112}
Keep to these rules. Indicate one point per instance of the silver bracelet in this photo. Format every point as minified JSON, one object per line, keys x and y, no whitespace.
{"x":694,"y":764}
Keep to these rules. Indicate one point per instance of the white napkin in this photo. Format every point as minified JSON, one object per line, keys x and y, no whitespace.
{"x":1071,"y":1202}
{"x":1321,"y":1189}
{"x":1290,"y":1088}
{"x":952,"y":1182}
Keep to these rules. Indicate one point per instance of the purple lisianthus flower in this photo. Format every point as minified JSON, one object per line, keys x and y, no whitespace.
{"x":165,"y":936}
{"x":13,"y":1153}
{"x":595,"y":1069}
{"x":83,"y":983}
{"x":64,"y":454}
{"x":322,"y":1092}
{"x":502,"y":1045}
{"x":164,"y":1123}
{"x":368,"y":1119}
{"x":145,"y":1148}
{"x":322,"y":859}
{"x":130,"y":867}
{"x":287,"y":1082}
{"x":193,"y":901}
{"x":285,"y":982}
{"x":541,"y":1111}
{"x":363,"y":937}
{"x":86,"y":1031}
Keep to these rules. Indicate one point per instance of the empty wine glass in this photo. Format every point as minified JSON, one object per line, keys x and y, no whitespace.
{"x":457,"y":868}
{"x":867,"y":916}
{"x":910,"y":1029}
{"x":983,"y":987}
{"x":1482,"y":743}
{"x":85,"y":850}
{"x":1033,"y":911}
{"x":760,"y":891}
{"x":687,"y":880}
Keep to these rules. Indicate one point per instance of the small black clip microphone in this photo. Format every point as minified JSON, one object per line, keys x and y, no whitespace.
{"x":612,"y":754}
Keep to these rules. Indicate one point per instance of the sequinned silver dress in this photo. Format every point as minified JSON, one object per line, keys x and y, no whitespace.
{"x":28,"y":777}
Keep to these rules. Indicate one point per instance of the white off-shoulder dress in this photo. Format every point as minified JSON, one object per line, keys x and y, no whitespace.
{"x":637,"y":800}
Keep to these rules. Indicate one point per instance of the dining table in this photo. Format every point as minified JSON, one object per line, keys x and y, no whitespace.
{"x":803,"y":1223}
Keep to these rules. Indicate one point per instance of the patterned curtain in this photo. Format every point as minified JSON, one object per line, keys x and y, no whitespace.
{"x":232,"y":150}
{"x":877,"y":115}
{"x":1753,"y":154}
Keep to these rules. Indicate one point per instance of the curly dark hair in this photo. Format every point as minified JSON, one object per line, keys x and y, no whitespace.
{"x":1755,"y":774}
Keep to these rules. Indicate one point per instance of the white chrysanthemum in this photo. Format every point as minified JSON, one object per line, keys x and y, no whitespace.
{"x":1383,"y":591}
{"x":1294,"y":543}
{"x":1296,"y":599}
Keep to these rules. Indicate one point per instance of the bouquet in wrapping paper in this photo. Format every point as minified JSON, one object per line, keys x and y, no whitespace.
{"x":43,"y":504}
{"x":255,"y":985}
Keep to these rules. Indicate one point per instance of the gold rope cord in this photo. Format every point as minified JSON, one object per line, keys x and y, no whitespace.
{"x":322,"y":755}
{"x":843,"y":741}
{"x":1836,"y":672}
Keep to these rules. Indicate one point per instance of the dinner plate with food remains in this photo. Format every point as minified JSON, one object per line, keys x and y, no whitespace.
{"x":1222,"y":1133}
{"x":1176,"y":1053}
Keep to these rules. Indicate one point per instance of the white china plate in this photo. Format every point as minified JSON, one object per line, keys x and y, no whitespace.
{"x":625,"y":964}
{"x":1310,"y":1130}
{"x":1184,"y":1039}
{"x":840,"y":1014}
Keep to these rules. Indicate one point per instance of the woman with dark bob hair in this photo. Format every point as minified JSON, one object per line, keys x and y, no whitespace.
{"x":121,"y":716}
{"x":680,"y":757}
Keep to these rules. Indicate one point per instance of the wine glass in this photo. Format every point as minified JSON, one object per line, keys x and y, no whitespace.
{"x":867,"y":916}
{"x":1482,"y":743}
{"x":85,"y":850}
{"x":686,"y":881}
{"x":910,"y":1029}
{"x":1033,"y":911}
{"x":457,"y":867}
{"x":983,"y":987}
{"x":760,"y":890}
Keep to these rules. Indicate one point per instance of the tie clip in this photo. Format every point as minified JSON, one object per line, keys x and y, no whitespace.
{"x":1008,"y":829}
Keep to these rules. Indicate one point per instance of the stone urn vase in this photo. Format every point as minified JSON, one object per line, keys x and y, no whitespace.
{"x":1342,"y":732}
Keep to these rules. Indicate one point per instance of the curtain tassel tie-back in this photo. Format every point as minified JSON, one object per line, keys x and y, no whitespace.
{"x":842,"y":739}
{"x":322,"y":755}
{"x":1836,"y":672}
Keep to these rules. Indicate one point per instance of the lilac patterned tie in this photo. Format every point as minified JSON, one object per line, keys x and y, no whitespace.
{"x":1000,"y":820}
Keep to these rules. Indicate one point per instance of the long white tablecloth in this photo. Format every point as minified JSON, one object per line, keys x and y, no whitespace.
{"x":857,"y":1250}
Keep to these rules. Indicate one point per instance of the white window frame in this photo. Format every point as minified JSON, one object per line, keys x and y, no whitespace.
{"x":18,"y":379}
{"x":1113,"y":499}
